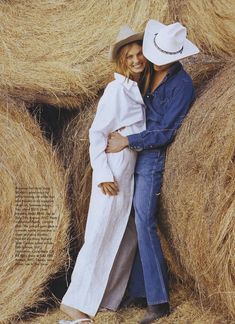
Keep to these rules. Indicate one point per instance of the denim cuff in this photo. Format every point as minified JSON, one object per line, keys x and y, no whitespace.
{"x":136,"y":142}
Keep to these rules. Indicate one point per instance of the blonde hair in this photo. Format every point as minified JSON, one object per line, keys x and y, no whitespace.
{"x":122,"y":67}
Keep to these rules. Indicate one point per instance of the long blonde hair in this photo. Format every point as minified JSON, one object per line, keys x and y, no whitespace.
{"x":122,"y":68}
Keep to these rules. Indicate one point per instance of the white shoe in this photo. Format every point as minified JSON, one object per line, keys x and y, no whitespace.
{"x":88,"y":320}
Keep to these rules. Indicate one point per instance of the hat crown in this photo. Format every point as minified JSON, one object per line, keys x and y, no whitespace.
{"x":171,"y":38}
{"x":125,"y":36}
{"x":163,"y":44}
{"x":125,"y":31}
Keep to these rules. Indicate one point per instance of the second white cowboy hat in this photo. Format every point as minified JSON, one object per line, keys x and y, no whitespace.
{"x":125,"y":36}
{"x":164,"y":44}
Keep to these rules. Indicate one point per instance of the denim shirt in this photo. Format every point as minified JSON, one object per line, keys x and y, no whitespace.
{"x":166,"y":108}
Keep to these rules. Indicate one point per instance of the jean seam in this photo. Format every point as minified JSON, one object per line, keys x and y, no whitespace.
{"x":152,"y":244}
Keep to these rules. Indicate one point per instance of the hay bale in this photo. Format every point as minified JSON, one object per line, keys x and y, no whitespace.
{"x":74,"y":151}
{"x":184,"y":305}
{"x":210,"y":24}
{"x":26,"y":161}
{"x":55,"y":52}
{"x":199,"y":195}
{"x":62,"y":60}
{"x":202,"y":68}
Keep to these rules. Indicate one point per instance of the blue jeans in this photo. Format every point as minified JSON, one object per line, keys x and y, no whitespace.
{"x":149,"y":274}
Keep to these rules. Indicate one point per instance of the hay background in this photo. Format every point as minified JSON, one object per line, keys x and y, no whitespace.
{"x":74,"y":153}
{"x":199,"y":195}
{"x":210,"y":24}
{"x":50,"y":61}
{"x":47,"y":61}
{"x":56,"y":62}
{"x":185,"y":310}
{"x":27,"y":160}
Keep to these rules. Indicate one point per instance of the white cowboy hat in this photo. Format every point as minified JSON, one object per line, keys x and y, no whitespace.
{"x":164,"y":44}
{"x":125,"y":36}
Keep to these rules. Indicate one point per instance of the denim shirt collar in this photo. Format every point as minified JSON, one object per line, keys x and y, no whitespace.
{"x":176,"y":67}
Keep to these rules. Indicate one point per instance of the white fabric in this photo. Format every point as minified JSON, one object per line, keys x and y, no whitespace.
{"x":120,"y":106}
{"x":87,"y":320}
{"x":169,"y":38}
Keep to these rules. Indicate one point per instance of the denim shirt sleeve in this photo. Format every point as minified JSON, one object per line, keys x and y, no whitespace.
{"x":164,"y":133}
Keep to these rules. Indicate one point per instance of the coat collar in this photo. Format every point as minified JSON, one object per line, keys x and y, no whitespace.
{"x":176,"y":67}
{"x":128,"y":83}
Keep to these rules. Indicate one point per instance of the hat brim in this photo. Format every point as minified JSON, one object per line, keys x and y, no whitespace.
{"x":115,"y":48}
{"x":157,"y":57}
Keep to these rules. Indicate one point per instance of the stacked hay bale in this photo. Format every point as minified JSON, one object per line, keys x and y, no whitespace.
{"x":74,"y":151}
{"x":202,"y":68}
{"x":27,"y":163}
{"x":55,"y":62}
{"x":199,"y":195}
{"x":198,"y":198}
{"x":186,"y":310}
{"x":210,"y":24}
{"x":62,"y":59}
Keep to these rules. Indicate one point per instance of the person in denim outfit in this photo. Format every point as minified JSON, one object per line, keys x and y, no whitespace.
{"x":168,"y":100}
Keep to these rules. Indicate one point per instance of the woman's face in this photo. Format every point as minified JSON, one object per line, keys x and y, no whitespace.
{"x":135,"y":59}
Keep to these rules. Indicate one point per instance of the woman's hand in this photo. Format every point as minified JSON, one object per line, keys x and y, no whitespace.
{"x":116,"y":143}
{"x":109,"y":188}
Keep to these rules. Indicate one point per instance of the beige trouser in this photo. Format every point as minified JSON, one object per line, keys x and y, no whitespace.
{"x":121,"y":269}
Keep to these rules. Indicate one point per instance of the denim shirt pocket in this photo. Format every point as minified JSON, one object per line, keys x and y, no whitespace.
{"x":160,"y":104}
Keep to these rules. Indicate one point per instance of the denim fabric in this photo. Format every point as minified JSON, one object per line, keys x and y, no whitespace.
{"x":148,"y":179}
{"x":166,"y":108}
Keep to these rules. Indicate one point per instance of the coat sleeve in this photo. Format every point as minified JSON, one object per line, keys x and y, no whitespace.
{"x":164,"y":133}
{"x":103,"y":124}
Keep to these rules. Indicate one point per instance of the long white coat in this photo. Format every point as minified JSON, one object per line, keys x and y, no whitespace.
{"x":120,"y":107}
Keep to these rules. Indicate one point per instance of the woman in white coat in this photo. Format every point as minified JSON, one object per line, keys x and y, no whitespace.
{"x":104,"y":262}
